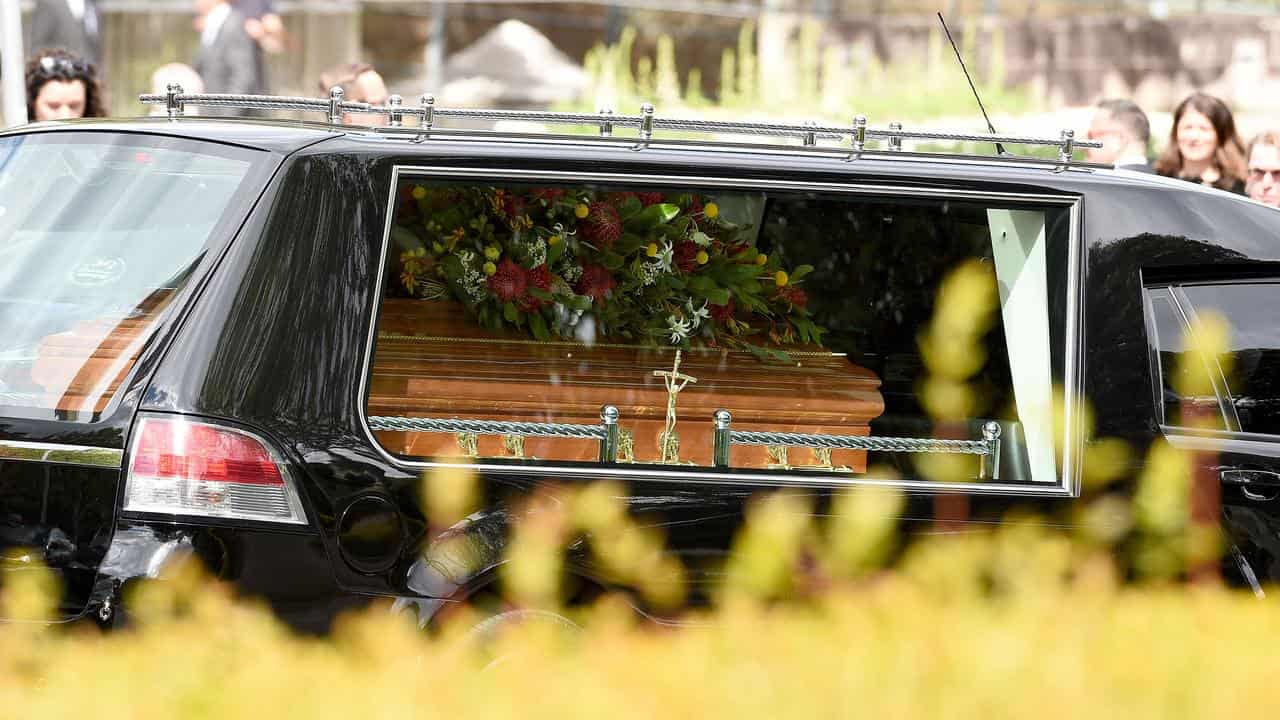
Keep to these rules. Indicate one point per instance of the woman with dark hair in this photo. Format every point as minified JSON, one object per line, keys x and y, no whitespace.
{"x":1203,"y":146}
{"x":61,"y":86}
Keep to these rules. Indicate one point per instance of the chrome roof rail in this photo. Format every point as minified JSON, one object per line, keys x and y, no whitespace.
{"x":646,"y":124}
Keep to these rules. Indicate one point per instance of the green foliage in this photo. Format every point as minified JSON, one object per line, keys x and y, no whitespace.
{"x":818,"y":79}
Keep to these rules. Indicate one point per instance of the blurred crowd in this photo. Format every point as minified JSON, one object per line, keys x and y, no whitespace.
{"x":64,"y":74}
{"x":63,"y":81}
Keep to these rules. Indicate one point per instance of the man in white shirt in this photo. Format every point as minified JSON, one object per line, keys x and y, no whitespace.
{"x":72,"y":25}
{"x":229,"y":61}
{"x":1125,"y":133}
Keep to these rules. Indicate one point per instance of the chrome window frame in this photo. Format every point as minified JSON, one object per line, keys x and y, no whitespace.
{"x":1068,"y":481}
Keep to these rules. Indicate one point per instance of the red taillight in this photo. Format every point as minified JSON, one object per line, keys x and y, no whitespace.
{"x":184,"y":467}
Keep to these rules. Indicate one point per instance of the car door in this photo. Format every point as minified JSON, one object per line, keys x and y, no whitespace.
{"x":1233,"y":427}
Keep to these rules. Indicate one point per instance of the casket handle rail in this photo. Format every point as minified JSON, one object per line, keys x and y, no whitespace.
{"x":988,"y":448}
{"x":607,"y":432}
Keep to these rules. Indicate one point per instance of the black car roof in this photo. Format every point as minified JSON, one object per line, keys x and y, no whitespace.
{"x":276,"y":136}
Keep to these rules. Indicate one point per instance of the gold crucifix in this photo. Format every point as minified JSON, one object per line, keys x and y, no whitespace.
{"x":668,"y":440}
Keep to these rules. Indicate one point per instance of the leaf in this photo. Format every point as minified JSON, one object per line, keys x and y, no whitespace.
{"x":404,"y":238}
{"x":718,"y":296}
{"x":509,"y":312}
{"x":539,"y":326}
{"x":653,"y":216}
{"x":630,"y":208}
{"x":540,"y":294}
{"x":611,"y":260}
{"x":800,"y":272}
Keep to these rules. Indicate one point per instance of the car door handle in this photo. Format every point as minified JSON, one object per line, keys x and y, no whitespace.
{"x":1255,"y":484}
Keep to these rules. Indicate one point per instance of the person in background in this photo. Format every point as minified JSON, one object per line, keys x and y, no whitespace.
{"x":1203,"y":146}
{"x":1263,"y":184}
{"x":73,"y":25}
{"x":359,"y":83}
{"x":263,"y":24}
{"x":61,"y":86}
{"x":183,"y":75}
{"x":228,"y":60}
{"x":1124,"y":131}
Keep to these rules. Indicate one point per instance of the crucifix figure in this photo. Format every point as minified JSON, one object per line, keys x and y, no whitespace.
{"x":675,"y":381}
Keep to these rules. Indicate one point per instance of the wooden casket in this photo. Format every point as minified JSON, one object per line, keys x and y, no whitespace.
{"x":432,"y":361}
{"x":81,"y":369}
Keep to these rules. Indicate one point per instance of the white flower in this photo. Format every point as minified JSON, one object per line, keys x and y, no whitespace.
{"x":679,"y":329}
{"x":701,"y":238}
{"x":571,"y":273}
{"x":698,"y":315}
{"x":665,"y":257}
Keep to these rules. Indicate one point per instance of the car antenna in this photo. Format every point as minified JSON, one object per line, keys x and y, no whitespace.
{"x":999,"y":148}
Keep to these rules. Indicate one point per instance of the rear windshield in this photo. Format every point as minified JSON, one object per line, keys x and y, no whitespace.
{"x":97,"y":234}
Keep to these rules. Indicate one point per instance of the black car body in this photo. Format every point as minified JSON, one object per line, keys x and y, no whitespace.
{"x":269,"y":337}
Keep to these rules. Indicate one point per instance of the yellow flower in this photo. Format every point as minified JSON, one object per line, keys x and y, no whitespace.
{"x":554,"y":240}
{"x":780,"y":278}
{"x":702,"y":257}
{"x":489,"y":268}
{"x":581,"y":211}
{"x":762,"y":259}
{"x":493,"y":252}
{"x":711,"y":210}
{"x":652,"y":250}
{"x":419,"y":192}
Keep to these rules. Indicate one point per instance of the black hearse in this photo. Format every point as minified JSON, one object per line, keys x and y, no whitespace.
{"x":247,"y":340}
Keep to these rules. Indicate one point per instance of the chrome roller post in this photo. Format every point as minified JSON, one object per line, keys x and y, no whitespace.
{"x":895,"y":142}
{"x":1068,"y":145}
{"x":606,"y":122}
{"x":811,"y":137}
{"x":609,"y":416}
{"x":859,"y":133}
{"x":646,"y":123}
{"x":172,"y":105}
{"x":335,"y":105}
{"x":991,"y":460}
{"x":723,"y":420}
{"x":395,"y":118}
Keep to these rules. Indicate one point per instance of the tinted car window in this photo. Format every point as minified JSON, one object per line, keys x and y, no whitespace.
{"x":797,"y":312}
{"x":1177,"y":368}
{"x":97,"y":233}
{"x":1253,"y":378}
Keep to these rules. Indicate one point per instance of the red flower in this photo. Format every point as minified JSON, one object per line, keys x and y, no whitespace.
{"x":602,"y":224}
{"x":695,"y":205}
{"x":596,"y":282}
{"x":721,"y":313}
{"x":512,"y":206}
{"x":794,"y":296}
{"x":509,"y":282}
{"x":549,"y":194}
{"x":649,"y":198}
{"x":540,"y":278}
{"x":407,"y":206}
{"x":685,"y":255}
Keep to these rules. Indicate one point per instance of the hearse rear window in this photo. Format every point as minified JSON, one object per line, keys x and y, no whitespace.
{"x":725,"y":329}
{"x":97,"y":233}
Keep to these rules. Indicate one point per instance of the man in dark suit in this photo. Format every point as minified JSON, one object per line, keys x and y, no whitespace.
{"x":229,"y":61}
{"x":73,"y":25}
{"x":1125,"y":133}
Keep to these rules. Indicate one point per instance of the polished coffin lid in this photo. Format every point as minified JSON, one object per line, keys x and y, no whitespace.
{"x":432,"y":361}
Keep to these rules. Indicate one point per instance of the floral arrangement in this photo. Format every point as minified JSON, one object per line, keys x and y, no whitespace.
{"x":648,"y":267}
